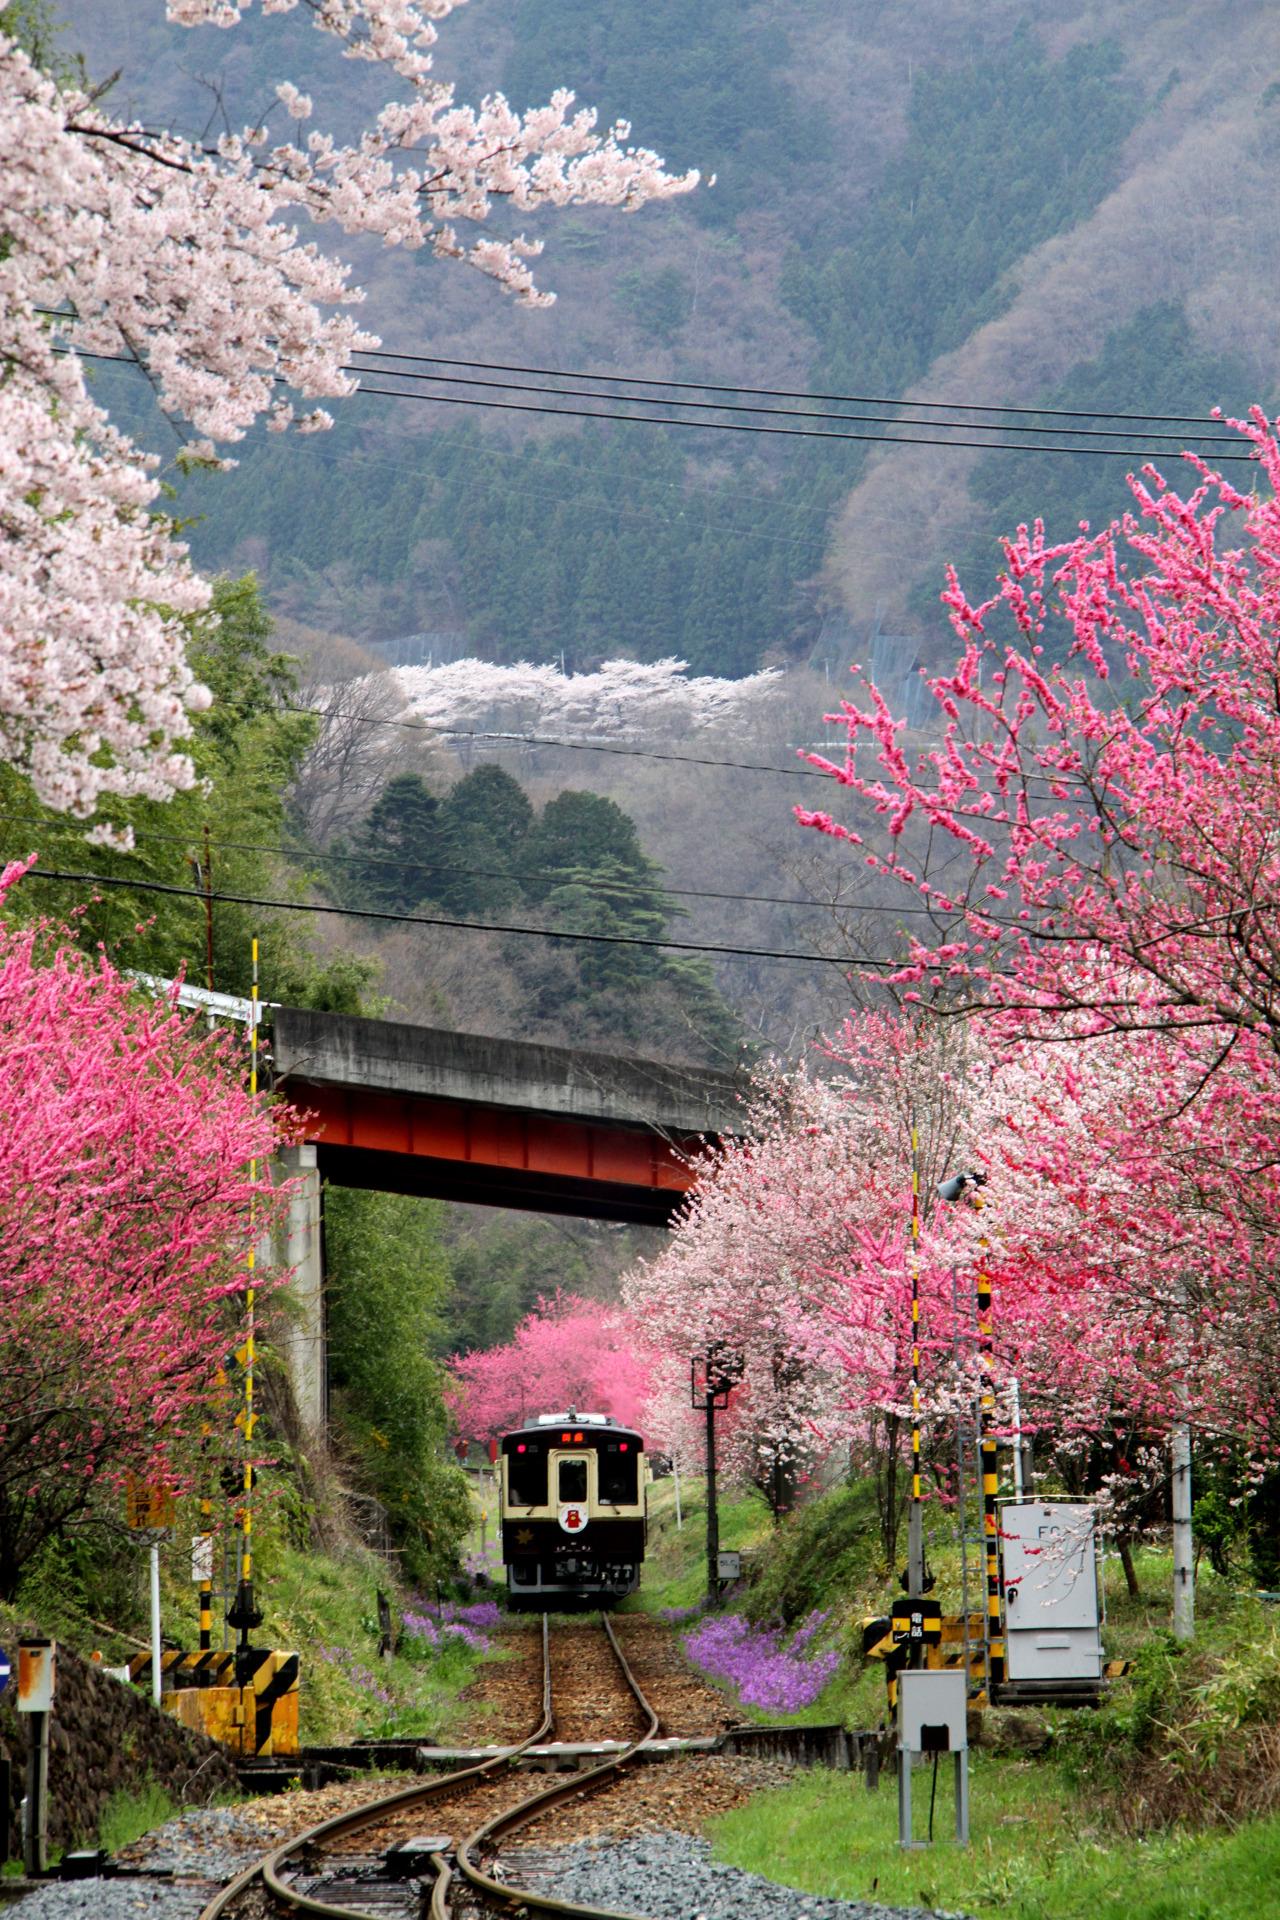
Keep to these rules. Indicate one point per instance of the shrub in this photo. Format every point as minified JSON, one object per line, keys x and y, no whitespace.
{"x":829,"y":1546}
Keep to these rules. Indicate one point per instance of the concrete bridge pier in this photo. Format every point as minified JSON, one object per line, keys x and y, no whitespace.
{"x":302,"y":1333}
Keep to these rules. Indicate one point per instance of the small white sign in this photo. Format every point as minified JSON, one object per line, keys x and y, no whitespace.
{"x":201,"y":1557}
{"x":573,"y":1518}
{"x":729,"y":1566}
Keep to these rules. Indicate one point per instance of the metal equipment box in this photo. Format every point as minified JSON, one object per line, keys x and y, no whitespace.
{"x":1051,"y":1591}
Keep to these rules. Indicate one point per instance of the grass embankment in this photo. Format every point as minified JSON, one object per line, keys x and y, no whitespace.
{"x":1039,"y":1850}
{"x":1113,"y":1820}
{"x":323,"y":1606}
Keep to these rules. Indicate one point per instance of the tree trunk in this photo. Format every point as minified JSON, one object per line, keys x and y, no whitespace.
{"x":1130,"y":1573}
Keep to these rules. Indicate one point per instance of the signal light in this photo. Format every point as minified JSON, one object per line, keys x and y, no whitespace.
{"x":520,"y":1446}
{"x":622,"y":1446}
{"x":577,"y":1436}
{"x":566,"y":1436}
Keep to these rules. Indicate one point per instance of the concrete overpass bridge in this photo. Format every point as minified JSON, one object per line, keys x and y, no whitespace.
{"x":460,"y":1116}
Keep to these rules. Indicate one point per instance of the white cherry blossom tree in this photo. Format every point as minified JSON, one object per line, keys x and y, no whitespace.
{"x":123,"y":240}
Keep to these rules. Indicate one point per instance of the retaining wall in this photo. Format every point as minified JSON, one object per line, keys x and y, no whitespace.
{"x":105,"y":1736}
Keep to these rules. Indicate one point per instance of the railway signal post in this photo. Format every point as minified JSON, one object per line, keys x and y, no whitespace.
{"x":722,"y":1368}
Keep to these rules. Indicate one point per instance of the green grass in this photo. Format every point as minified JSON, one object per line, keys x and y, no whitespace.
{"x":127,"y":1816}
{"x":1035,"y":1853}
{"x":675,"y":1567}
{"x":320,"y":1605}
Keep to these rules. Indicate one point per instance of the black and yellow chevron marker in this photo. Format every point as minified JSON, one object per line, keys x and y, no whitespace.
{"x":170,"y":1663}
{"x":274,"y":1690}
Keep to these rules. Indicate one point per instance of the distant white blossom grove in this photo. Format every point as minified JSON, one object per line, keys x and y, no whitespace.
{"x":184,"y":260}
{"x":620,"y":697}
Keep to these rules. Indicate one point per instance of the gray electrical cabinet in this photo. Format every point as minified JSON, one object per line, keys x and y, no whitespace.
{"x":1051,"y":1592}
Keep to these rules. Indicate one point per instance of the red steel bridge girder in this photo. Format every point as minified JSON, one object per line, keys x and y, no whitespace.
{"x":454,"y":1150}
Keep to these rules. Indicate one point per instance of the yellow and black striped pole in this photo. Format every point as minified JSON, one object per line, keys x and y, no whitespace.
{"x":915,"y":1522}
{"x":991,"y":1531}
{"x":206,"y":1563}
{"x":915,"y":1323}
{"x":244,"y":1614}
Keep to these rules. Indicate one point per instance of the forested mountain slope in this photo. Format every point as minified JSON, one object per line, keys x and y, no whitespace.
{"x":932,"y":198}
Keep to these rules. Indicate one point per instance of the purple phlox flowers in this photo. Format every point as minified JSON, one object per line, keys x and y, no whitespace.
{"x":439,"y":1626}
{"x":766,"y":1671}
{"x":680,"y":1613}
{"x":345,"y":1661}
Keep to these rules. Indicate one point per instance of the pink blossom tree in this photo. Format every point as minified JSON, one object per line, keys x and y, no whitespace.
{"x":1095,"y":840}
{"x":126,"y":1138}
{"x":1105,"y":795}
{"x":567,"y":1352}
{"x":793,"y":1250}
{"x":184,"y":259}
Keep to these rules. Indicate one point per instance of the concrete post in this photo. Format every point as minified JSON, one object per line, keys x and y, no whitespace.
{"x":1184,"y":1589}
{"x":303,"y":1333}
{"x":156,"y":1647}
{"x":35,"y":1818}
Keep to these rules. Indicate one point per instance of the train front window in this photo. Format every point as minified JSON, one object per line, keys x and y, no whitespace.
{"x":618,"y":1460}
{"x":526,"y":1478}
{"x":573,"y":1480}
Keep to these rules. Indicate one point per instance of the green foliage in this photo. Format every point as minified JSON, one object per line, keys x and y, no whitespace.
{"x":586,"y":545}
{"x":388,"y":1284}
{"x":1015,"y":148}
{"x":657,"y":304}
{"x":247,"y":748}
{"x":818,"y":1556}
{"x":1216,"y":1525}
{"x":700,"y":84}
{"x":578,"y":868}
{"x":80,"y":1577}
{"x":608,"y":542}
{"x":1150,"y":366}
{"x":37,"y":30}
{"x":1037,"y":1852}
{"x":127,"y":1816}
{"x":502,"y":1262}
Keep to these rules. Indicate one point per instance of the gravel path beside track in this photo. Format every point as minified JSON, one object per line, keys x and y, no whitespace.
{"x":671,"y":1876}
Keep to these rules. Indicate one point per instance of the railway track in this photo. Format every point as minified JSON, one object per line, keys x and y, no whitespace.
{"x":280,"y":1872}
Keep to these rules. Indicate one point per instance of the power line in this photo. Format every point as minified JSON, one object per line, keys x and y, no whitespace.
{"x":1213,"y":436}
{"x":788,"y":433}
{"x":956,"y":431}
{"x":894,"y":402}
{"x":578,"y":746}
{"x":199,"y":895}
{"x":790,"y":393}
{"x":598,"y":883}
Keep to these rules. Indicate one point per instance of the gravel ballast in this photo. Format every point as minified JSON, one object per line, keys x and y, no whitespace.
{"x":112,"y":1900}
{"x":671,"y":1876}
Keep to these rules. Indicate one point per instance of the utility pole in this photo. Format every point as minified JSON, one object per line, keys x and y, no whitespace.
{"x":722,"y":1368}
{"x":208,"y":910}
{"x":968,"y":1186}
{"x":245,"y":1614}
{"x":1184,"y":1591}
{"x":915,"y":1521}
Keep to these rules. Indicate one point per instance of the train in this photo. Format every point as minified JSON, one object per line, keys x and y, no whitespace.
{"x":571,"y":1488}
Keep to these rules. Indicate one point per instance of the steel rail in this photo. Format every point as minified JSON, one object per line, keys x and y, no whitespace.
{"x":371,"y":1814}
{"x":502,"y":1824}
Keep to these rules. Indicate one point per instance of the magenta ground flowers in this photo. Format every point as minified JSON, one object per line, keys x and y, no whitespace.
{"x":779,"y":1674}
